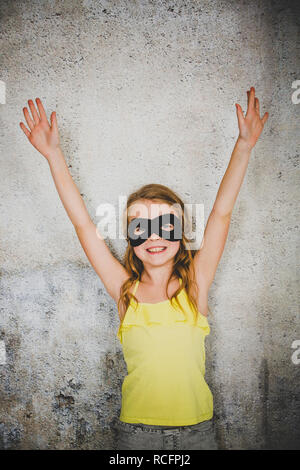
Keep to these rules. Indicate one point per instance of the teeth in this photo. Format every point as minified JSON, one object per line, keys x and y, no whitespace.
{"x":155,"y":249}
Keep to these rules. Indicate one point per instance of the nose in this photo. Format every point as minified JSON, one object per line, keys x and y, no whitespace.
{"x":154,"y":236}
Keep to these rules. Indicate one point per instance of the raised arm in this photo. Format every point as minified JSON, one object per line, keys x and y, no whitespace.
{"x":45,"y":138}
{"x":208,"y":256}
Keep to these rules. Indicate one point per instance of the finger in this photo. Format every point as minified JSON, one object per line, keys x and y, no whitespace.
{"x":28,"y":118}
{"x":251,"y":98}
{"x":265,"y":118}
{"x":34,"y":113}
{"x":24,"y":129}
{"x":248,"y":102}
{"x":257,"y":105}
{"x":53,"y":119}
{"x":41,"y":109}
{"x":240,"y":115}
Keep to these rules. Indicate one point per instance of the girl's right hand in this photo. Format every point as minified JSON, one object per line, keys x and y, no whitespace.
{"x":42,"y":136}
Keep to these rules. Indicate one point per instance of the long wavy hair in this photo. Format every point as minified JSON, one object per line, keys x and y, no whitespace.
{"x":182,"y":267}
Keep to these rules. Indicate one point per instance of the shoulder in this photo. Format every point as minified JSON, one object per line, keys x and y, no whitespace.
{"x":121,"y":309}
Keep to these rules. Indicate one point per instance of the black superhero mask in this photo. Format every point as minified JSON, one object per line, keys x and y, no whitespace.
{"x":148,"y":226}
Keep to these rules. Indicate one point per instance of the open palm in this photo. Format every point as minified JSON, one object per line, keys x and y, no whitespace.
{"x":43,"y":136}
{"x":251,"y":125}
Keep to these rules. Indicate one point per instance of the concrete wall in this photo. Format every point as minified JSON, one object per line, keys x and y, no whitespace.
{"x":145,"y":92}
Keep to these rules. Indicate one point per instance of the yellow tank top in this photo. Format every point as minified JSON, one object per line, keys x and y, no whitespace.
{"x":165,"y":357}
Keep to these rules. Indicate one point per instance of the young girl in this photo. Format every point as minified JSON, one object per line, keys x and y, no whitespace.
{"x":161,"y":291}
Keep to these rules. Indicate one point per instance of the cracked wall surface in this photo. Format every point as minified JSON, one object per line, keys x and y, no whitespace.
{"x":144,"y":93}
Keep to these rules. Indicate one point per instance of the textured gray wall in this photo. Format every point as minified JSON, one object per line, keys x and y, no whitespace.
{"x":144,"y":92}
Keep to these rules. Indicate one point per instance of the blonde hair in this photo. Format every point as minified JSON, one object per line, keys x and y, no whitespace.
{"x":182,"y":267}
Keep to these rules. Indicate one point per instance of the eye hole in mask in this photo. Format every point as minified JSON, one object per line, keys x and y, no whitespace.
{"x":167,"y":226}
{"x":138,"y":231}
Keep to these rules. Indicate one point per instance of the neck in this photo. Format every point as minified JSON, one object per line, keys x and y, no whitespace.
{"x":157,"y":275}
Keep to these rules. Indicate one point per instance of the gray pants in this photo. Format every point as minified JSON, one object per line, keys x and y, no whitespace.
{"x":137,"y":436}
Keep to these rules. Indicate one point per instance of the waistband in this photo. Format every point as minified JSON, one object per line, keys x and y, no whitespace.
{"x":201,"y":426}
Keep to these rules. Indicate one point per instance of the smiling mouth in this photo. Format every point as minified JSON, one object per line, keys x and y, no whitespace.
{"x":155,"y":250}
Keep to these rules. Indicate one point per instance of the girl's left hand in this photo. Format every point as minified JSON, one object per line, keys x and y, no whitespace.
{"x":251,"y":125}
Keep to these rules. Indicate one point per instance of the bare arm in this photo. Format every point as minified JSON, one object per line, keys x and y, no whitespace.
{"x":67,"y":190}
{"x":108,"y":268}
{"x":45,"y":139}
{"x":208,"y":256}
